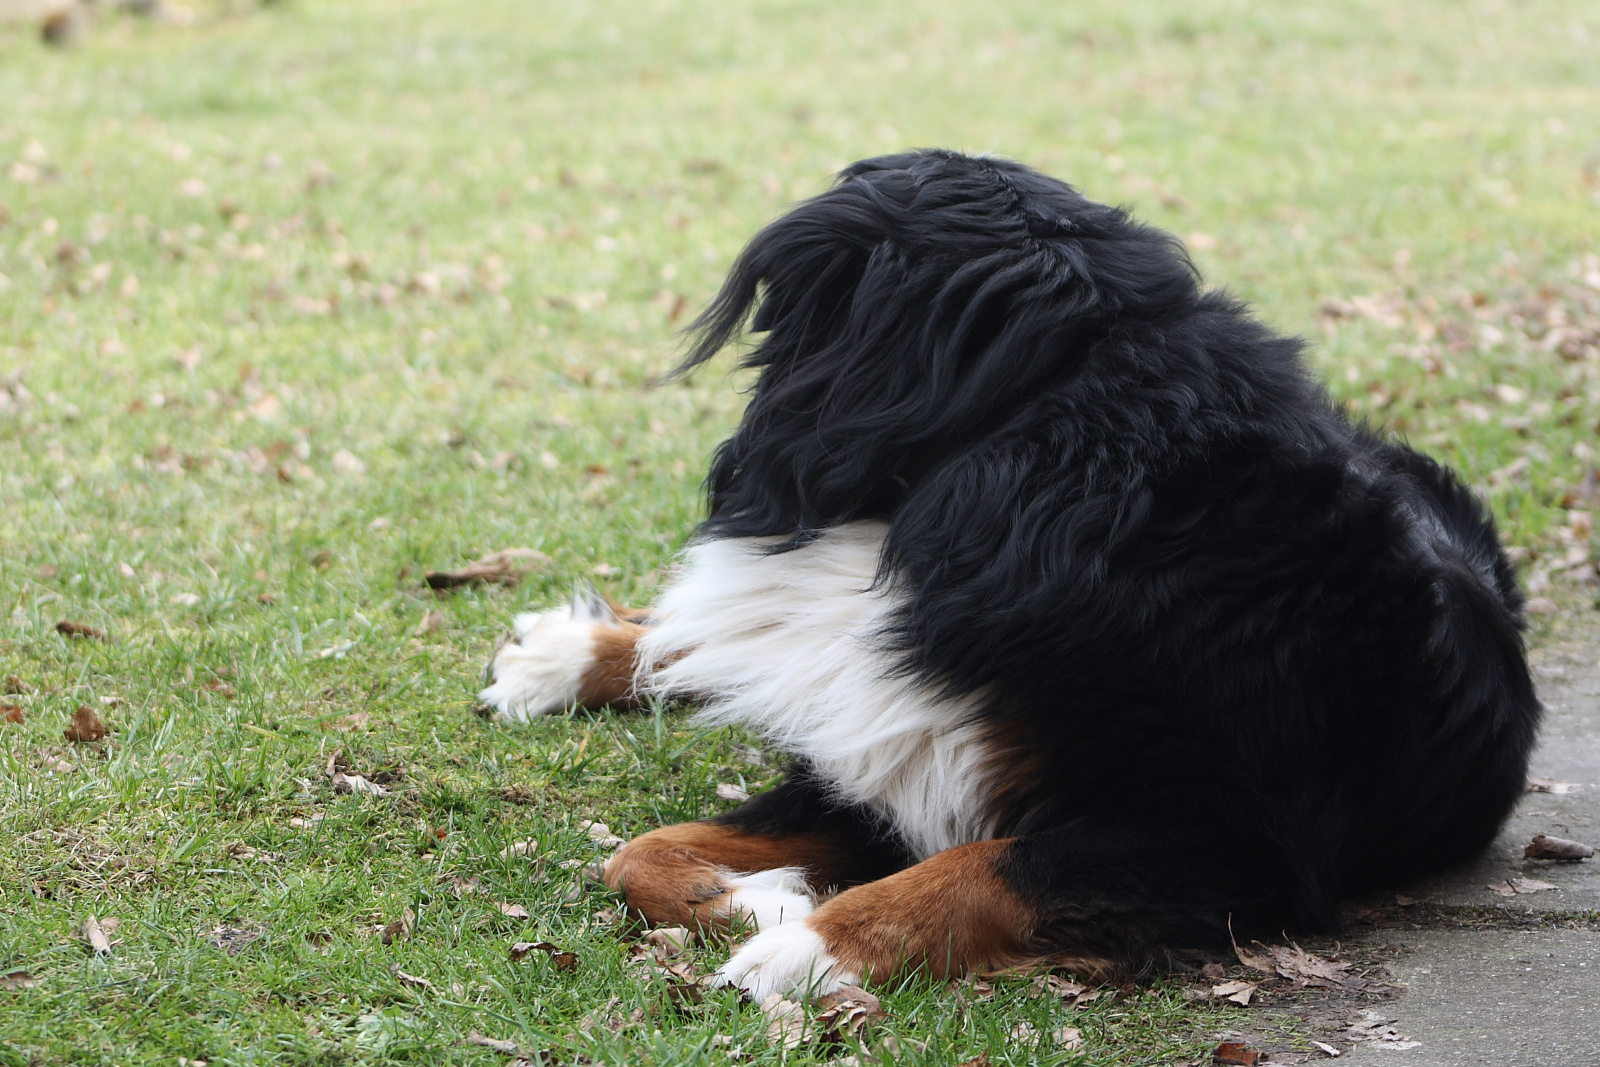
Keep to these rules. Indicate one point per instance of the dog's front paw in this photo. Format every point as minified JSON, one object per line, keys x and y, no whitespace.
{"x":768,"y":898}
{"x":541,"y":669}
{"x":790,"y":957}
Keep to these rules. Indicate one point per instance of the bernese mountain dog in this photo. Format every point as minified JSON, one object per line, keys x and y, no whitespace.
{"x":1093,"y":631}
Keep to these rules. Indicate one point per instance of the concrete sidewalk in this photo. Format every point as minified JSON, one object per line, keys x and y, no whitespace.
{"x":1498,"y":994}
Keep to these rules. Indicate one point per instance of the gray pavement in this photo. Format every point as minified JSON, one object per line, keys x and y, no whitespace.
{"x":1507,"y":998}
{"x":1513,"y":997}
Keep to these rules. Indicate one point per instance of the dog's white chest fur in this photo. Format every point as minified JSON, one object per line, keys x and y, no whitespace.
{"x":789,"y":644}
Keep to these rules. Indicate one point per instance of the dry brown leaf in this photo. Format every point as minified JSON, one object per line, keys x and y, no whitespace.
{"x":412,"y":980}
{"x":980,"y":1060}
{"x":1067,"y":1037}
{"x":507,"y":567}
{"x":400,"y":929}
{"x":669,"y":941}
{"x":95,"y":933}
{"x":729,"y":791}
{"x":1300,"y":967}
{"x":16,"y":981}
{"x":1237,"y":991}
{"x":508,"y":1048}
{"x":86,"y":727}
{"x":519,"y":848}
{"x":1023,"y":1033}
{"x":68,"y":628}
{"x":1235,"y":1052}
{"x":1545,"y":847}
{"x":432,"y":622}
{"x":16,"y":687}
{"x":1071,"y":993}
{"x":11,"y":713}
{"x":562,"y":960}
{"x":786,"y":1021}
{"x":357,"y":785}
{"x":356,"y":720}
{"x":513,"y":911}
{"x":600,"y":834}
{"x":233,"y":940}
{"x":845,"y":1012}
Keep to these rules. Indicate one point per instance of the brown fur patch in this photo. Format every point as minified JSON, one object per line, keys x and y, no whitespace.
{"x":951,"y":913}
{"x":677,"y":875}
{"x":609,"y":678}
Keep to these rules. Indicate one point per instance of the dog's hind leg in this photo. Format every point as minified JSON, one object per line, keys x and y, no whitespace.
{"x":761,"y":864}
{"x":1088,"y":898}
{"x":558,"y":659}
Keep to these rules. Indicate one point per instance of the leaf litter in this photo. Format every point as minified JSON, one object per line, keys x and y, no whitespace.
{"x":86,"y":726}
{"x":1545,"y":847}
{"x":507,"y":567}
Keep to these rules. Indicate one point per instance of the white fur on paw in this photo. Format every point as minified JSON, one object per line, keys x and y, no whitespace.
{"x":539,"y":671}
{"x":768,"y":898}
{"x":787,"y":958}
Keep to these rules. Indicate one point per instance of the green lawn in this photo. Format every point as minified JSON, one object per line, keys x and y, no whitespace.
{"x":299,"y":303}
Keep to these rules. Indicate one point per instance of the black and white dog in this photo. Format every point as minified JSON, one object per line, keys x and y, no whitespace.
{"x":1089,"y":624}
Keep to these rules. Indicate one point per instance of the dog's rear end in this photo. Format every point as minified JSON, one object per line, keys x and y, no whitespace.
{"x":1090,"y":624}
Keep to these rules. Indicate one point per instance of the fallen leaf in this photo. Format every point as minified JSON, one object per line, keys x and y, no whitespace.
{"x":513,"y":911}
{"x":729,"y":791}
{"x":412,"y":980}
{"x":508,"y":1048}
{"x":16,"y":687}
{"x":233,"y":940}
{"x":1531,"y":885}
{"x":86,"y":727}
{"x":356,"y":784}
{"x":400,"y":929}
{"x":507,"y":567}
{"x":1067,"y":1037}
{"x":1236,"y":991}
{"x":94,"y":932}
{"x":786,"y":1021}
{"x":1549,"y":785}
{"x":1300,"y":967}
{"x":10,"y":713}
{"x":845,"y":1012}
{"x":68,"y":628}
{"x":519,"y":848}
{"x":16,"y":981}
{"x":1023,"y":1033}
{"x":432,"y":622}
{"x":356,"y":720}
{"x":563,"y":961}
{"x":1328,"y":1050}
{"x":600,"y":834}
{"x":1542,"y":847}
{"x":1235,"y":1052}
{"x":669,"y":941}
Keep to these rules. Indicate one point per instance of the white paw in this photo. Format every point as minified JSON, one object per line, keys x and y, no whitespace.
{"x":540,"y":670}
{"x":790,"y":957}
{"x":768,"y":898}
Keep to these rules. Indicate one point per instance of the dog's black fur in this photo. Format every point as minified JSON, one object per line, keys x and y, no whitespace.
{"x":1250,"y":658}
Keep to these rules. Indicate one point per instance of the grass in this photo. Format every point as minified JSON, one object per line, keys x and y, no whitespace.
{"x":298,"y":302}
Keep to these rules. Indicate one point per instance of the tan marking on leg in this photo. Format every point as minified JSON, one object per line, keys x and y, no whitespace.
{"x":952,"y":913}
{"x":677,"y":875}
{"x":609,"y":677}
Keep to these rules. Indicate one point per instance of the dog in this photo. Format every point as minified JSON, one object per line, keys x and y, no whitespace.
{"x":1094,"y":632}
